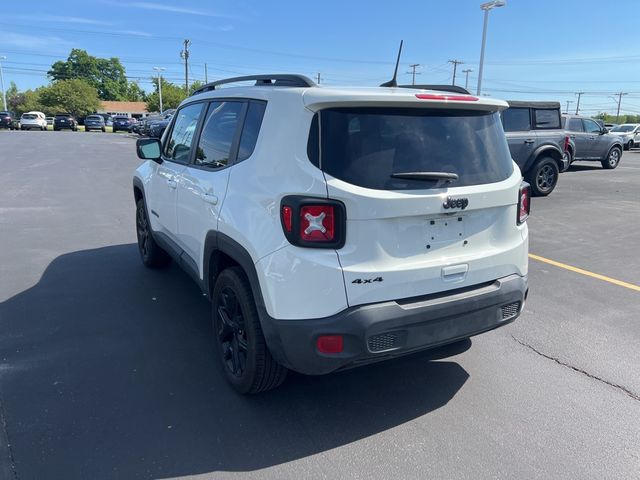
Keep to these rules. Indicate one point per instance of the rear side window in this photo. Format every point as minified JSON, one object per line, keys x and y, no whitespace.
{"x":251,"y":129}
{"x":547,"y":118}
{"x":178,"y":146}
{"x":218,"y":134}
{"x":575,"y":125}
{"x":365,"y":146}
{"x":516,"y":120}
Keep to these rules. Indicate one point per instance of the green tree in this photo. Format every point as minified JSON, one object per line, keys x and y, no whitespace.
{"x":27,"y":101}
{"x":135,"y":93}
{"x":172,"y":95}
{"x":75,"y":96}
{"x":108,"y":76}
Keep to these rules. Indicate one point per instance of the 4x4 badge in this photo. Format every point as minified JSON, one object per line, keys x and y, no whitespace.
{"x":456,"y":203}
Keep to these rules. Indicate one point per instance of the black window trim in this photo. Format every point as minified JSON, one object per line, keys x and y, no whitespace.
{"x":233,"y":154}
{"x":170,"y":132}
{"x":241,"y":130}
{"x":535,"y":121}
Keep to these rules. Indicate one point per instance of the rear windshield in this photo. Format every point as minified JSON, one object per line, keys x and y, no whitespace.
{"x":623,"y":128}
{"x":29,"y":116}
{"x":94,"y":117}
{"x":63,"y":116}
{"x":365,"y":146}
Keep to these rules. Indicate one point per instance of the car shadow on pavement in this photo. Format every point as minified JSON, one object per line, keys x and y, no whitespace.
{"x":584,"y":167}
{"x":108,"y":371}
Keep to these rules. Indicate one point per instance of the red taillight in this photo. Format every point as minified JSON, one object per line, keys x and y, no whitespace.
{"x":524,"y":202}
{"x":287,"y":215}
{"x":313,"y":222}
{"x":566,"y":143}
{"x":457,"y":98}
{"x":330,"y":344}
{"x":317,"y":223}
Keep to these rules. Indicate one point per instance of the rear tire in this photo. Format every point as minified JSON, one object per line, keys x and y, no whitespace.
{"x":543,"y":176}
{"x":151,"y":254}
{"x":245,"y":357}
{"x":613,"y":158}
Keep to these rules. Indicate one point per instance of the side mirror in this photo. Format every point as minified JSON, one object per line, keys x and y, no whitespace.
{"x":149,"y":149}
{"x":603,"y":131}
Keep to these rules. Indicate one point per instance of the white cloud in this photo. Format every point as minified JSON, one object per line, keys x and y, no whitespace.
{"x":169,"y":8}
{"x":32,"y":41}
{"x":63,"y":19}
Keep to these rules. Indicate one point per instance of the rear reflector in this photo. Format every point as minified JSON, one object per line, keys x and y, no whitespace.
{"x":524,"y":202}
{"x":330,"y":344}
{"x":287,"y":215}
{"x":457,"y":98}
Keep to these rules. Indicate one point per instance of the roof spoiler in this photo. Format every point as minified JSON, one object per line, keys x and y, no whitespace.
{"x":440,"y":88}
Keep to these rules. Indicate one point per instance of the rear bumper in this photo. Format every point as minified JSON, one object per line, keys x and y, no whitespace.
{"x":379,"y":331}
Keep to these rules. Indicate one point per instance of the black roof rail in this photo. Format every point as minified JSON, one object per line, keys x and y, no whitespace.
{"x":440,"y":88}
{"x":275,"y":80}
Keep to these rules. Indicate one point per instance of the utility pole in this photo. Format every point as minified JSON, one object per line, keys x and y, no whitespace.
{"x":578,"y":104}
{"x":455,"y":67}
{"x":413,"y":72}
{"x":206,"y":77}
{"x":4,"y":93}
{"x":619,"y":94}
{"x":568,"y":102}
{"x":185,"y":56}
{"x":160,"y":70}
{"x":466,"y":80}
{"x":318,"y":78}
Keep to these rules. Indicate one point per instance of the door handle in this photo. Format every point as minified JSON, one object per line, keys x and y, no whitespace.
{"x":592,"y":138}
{"x":172,"y":183}
{"x":529,"y":140}
{"x":209,"y":198}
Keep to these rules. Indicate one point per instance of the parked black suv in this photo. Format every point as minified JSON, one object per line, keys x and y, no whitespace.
{"x":65,"y":120}
{"x":122,"y":124}
{"x":7,"y":120}
{"x":537,"y":142}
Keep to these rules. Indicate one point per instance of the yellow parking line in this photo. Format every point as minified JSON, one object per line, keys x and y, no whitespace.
{"x":620,"y":283}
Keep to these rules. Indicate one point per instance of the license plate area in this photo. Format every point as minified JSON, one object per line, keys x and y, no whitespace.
{"x":445,"y":230}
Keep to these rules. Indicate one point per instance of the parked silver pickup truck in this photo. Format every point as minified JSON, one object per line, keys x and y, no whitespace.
{"x":537,"y":142}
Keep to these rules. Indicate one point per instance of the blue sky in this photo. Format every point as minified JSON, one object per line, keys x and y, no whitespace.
{"x":539,"y":50}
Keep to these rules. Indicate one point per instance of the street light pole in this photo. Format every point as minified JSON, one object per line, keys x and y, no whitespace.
{"x":486,"y":7}
{"x":4,"y":93}
{"x":160,"y":70}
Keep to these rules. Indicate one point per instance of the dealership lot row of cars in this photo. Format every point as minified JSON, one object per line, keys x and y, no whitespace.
{"x":150,"y":126}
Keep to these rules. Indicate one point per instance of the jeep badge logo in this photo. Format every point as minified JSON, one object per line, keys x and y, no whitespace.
{"x":456,"y":203}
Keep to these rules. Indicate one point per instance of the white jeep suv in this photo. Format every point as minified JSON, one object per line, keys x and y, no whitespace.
{"x":334,"y":227}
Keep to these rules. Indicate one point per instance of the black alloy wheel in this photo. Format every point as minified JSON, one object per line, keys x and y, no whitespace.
{"x":231,"y":332}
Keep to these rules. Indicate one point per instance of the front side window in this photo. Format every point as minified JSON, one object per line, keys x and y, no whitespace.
{"x":547,"y":118}
{"x":590,"y":126}
{"x":178,"y":145}
{"x":516,"y":120}
{"x":367,"y":146}
{"x":218,"y":133}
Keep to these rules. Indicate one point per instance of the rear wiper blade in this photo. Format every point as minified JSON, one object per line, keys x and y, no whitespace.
{"x":449,"y":176}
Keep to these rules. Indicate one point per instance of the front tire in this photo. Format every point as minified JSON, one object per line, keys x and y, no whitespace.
{"x":543,"y":176}
{"x":151,"y":254}
{"x":613,"y":158}
{"x":245,"y":357}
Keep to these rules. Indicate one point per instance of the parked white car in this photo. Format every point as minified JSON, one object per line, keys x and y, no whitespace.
{"x":335,"y":227}
{"x":629,"y":133}
{"x":33,"y":120}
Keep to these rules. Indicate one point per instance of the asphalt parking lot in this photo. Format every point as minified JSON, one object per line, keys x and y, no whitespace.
{"x":107,"y":370}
